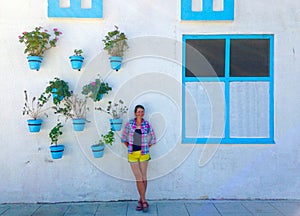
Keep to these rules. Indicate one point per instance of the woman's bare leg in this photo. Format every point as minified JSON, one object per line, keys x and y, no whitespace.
{"x":139,"y":170}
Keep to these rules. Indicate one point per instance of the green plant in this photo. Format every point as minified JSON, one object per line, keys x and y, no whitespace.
{"x":95,"y":89}
{"x":116,"y":110}
{"x":55,"y":133}
{"x":60,"y":88}
{"x":35,"y":108}
{"x":115,"y":42}
{"x":38,"y":41}
{"x":72,"y":107}
{"x":107,"y":138}
{"x":78,"y":52}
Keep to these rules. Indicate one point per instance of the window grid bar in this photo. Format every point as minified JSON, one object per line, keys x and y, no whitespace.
{"x":227,"y":88}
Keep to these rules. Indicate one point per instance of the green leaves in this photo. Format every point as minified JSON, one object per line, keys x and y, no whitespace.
{"x":38,"y":41}
{"x":95,"y":89}
{"x":115,"y":42}
{"x":55,"y":133}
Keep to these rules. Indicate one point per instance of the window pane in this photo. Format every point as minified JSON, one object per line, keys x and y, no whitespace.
{"x":249,"y":109}
{"x":205,"y":58}
{"x":250,"y":58}
{"x":204,"y":110}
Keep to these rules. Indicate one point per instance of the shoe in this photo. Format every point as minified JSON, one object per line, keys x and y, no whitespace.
{"x":139,"y":206}
{"x":145,"y":206}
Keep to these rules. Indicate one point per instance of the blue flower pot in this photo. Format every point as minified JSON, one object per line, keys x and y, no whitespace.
{"x":34,"y":125}
{"x":34,"y":62}
{"x":54,"y":95}
{"x":57,"y":151}
{"x":78,"y":124}
{"x":98,"y":150}
{"x":76,"y":62}
{"x":115,"y":62}
{"x":116,"y":124}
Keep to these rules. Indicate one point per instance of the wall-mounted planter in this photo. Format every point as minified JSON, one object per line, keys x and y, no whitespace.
{"x":54,"y":95}
{"x":78,"y":124}
{"x":98,"y":150}
{"x":115,"y":62}
{"x":116,"y":124}
{"x":34,"y":62}
{"x":34,"y":125}
{"x":57,"y":151}
{"x":76,"y":62}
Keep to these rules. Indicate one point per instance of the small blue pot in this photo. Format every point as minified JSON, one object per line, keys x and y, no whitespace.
{"x":115,"y":62}
{"x":54,"y":95}
{"x":78,"y":124}
{"x":76,"y":62}
{"x":116,"y":124}
{"x":34,"y":62}
{"x":57,"y":151}
{"x":98,"y":150}
{"x":34,"y":125}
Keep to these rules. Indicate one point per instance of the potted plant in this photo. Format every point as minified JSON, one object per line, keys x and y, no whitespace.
{"x":75,"y":108}
{"x":116,"y":111}
{"x":34,"y":111}
{"x":59,"y":90}
{"x":96,"y":89}
{"x":36,"y":43}
{"x":77,"y":59}
{"x":98,"y":149}
{"x":56,"y":150}
{"x":115,"y":43}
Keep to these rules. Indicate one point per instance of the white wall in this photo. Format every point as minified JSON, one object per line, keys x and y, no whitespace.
{"x":28,"y":174}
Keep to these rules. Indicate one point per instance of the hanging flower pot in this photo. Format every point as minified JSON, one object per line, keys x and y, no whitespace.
{"x":57,"y":151}
{"x":116,"y":124}
{"x":115,"y":43}
{"x":115,"y":62}
{"x":34,"y":62}
{"x":96,"y":89}
{"x":54,"y":95}
{"x":98,"y":150}
{"x":36,"y":43}
{"x":76,"y":62}
{"x":59,"y":90}
{"x":77,"y":59}
{"x":34,"y":125}
{"x":78,"y":124}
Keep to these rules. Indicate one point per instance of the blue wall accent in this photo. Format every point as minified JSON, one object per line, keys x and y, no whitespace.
{"x":207,"y":12}
{"x":226,"y":80}
{"x":75,"y":10}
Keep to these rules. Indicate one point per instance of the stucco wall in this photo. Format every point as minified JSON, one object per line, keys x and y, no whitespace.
{"x":151,"y":75}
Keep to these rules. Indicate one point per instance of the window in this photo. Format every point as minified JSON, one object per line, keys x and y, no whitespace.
{"x":228,"y":89}
{"x":75,"y":9}
{"x":207,"y":9}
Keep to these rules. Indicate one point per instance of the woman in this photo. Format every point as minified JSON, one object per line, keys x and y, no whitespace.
{"x":138,"y":136}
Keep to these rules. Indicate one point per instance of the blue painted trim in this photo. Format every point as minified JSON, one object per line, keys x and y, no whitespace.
{"x":271,"y":87}
{"x":228,"y":141}
{"x":227,"y":79}
{"x":183,"y":86}
{"x":228,"y":36}
{"x":227,"y":88}
{"x":207,"y":12}
{"x":75,"y":10}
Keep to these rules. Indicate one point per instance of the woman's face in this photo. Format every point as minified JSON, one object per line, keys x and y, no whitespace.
{"x":139,"y":113}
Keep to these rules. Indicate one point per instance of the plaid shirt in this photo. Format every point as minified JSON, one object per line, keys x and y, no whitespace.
{"x":148,"y":135}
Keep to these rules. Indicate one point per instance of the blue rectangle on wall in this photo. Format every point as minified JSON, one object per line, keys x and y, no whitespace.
{"x":207,"y":11}
{"x":75,"y":10}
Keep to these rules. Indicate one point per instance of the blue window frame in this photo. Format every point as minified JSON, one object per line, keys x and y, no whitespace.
{"x":75,"y":9}
{"x":228,"y":89}
{"x":207,"y":10}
